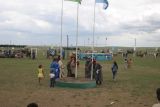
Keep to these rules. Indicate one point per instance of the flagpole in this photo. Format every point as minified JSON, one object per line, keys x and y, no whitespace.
{"x":135,"y":43}
{"x":77,"y":41}
{"x":61,"y":29}
{"x":93,"y":39}
{"x":134,"y":47}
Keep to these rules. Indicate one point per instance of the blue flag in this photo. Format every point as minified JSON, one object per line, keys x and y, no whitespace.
{"x":105,"y":2}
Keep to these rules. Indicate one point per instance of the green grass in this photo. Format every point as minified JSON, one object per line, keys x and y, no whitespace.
{"x":18,"y":81}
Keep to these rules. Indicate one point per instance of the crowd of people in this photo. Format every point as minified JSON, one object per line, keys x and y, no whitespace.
{"x":93,"y":70}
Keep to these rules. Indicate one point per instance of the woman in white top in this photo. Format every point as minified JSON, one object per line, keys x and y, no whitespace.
{"x":61,"y":66}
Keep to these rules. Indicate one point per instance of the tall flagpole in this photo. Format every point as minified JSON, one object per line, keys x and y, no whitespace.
{"x":61,"y":29}
{"x":134,"y":47}
{"x":135,"y":43}
{"x":77,"y":41}
{"x":93,"y":39}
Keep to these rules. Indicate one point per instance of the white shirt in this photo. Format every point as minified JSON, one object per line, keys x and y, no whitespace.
{"x":52,"y":75}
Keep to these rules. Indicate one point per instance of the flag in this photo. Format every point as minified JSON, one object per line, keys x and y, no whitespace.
{"x":79,"y":1}
{"x":105,"y":3}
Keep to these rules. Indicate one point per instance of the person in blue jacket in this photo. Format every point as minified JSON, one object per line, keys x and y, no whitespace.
{"x":54,"y":67}
{"x":114,"y":69}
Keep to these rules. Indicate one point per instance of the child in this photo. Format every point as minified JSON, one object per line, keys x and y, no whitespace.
{"x":40,"y":73}
{"x":114,"y":69}
{"x":130,"y":63}
{"x":125,"y":63}
{"x":52,"y":78}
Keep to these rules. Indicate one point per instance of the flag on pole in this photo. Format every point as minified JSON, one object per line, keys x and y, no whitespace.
{"x":79,"y":1}
{"x":105,"y":3}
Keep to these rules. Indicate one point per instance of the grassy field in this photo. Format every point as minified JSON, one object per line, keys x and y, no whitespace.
{"x":135,"y":87}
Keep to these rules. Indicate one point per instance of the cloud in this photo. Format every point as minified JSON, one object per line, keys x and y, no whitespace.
{"x":36,"y":22}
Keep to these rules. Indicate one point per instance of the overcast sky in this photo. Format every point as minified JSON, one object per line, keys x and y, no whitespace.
{"x":38,"y":22}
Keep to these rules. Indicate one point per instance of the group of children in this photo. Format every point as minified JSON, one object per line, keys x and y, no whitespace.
{"x":41,"y":75}
{"x":56,"y":71}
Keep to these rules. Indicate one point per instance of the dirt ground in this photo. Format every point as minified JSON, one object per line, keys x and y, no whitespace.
{"x":64,"y":97}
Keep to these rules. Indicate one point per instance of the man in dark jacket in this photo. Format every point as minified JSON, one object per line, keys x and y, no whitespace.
{"x":98,"y":74}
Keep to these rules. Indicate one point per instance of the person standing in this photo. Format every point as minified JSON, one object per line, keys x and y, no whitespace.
{"x":69,"y":69}
{"x":114,"y":70}
{"x":158,"y":98}
{"x":129,"y":63}
{"x":90,"y":65}
{"x":52,"y":78}
{"x":73,"y":66}
{"x":54,"y":67}
{"x":33,"y":55}
{"x":126,"y":63}
{"x":87,"y":71}
{"x":61,"y":66}
{"x":40,"y":73}
{"x":98,"y":74}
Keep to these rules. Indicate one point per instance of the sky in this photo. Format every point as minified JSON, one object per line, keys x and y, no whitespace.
{"x":38,"y":22}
